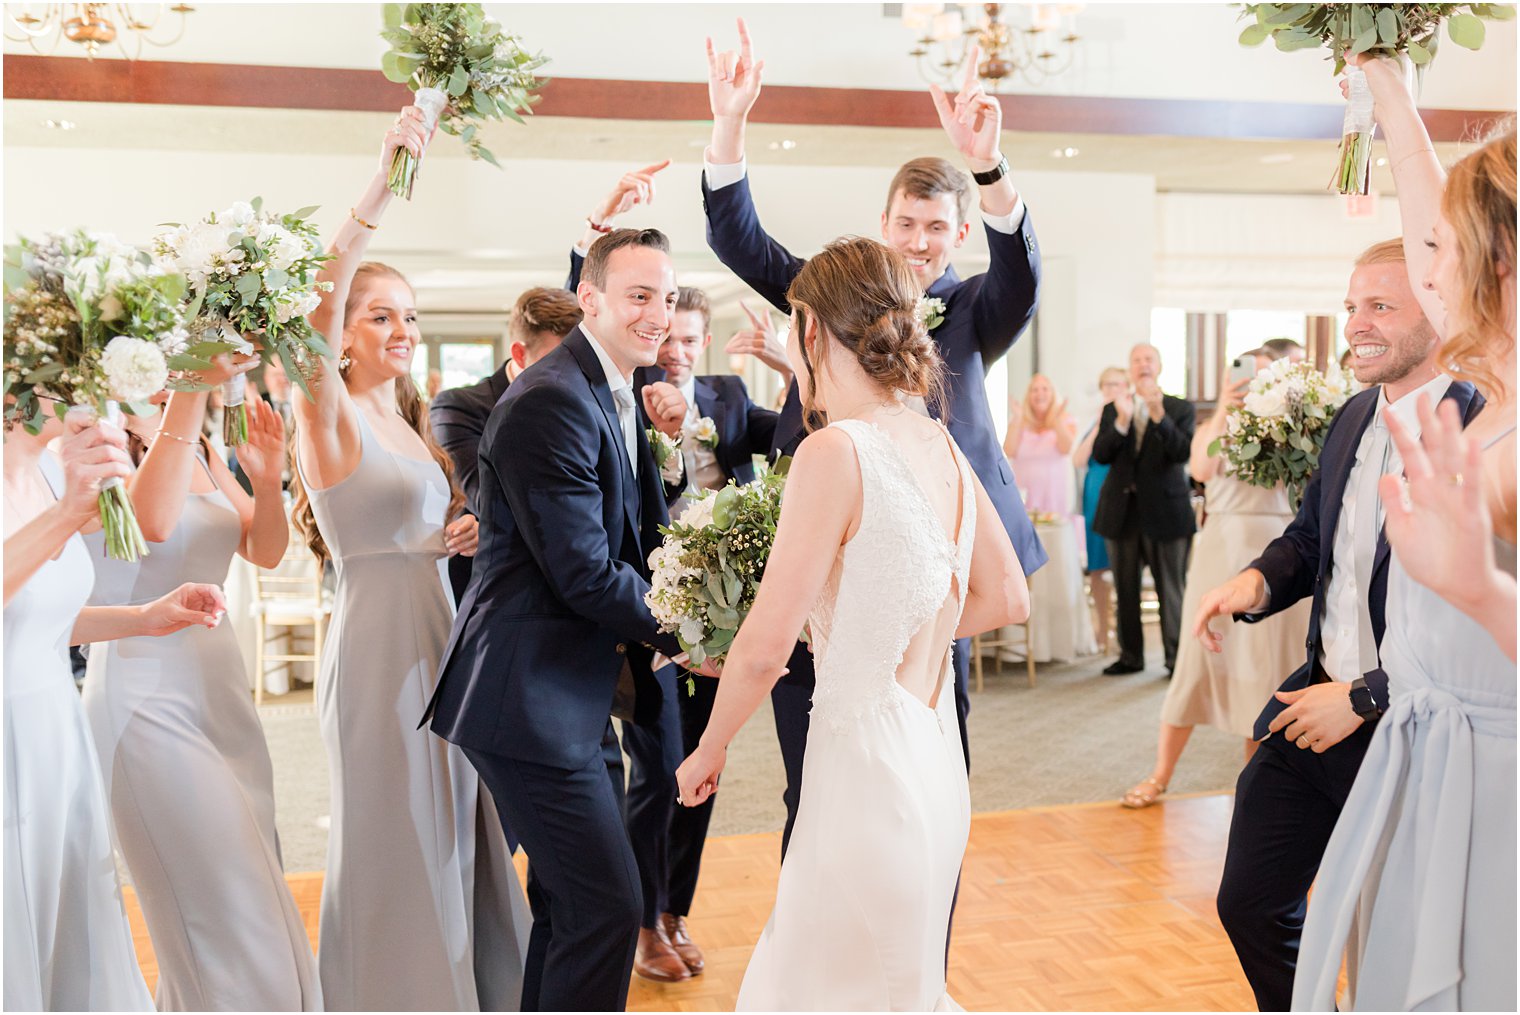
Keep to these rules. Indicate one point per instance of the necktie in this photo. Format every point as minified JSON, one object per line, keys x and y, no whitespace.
{"x":1368,"y":521}
{"x":628,"y":420}
{"x":1142,"y":418}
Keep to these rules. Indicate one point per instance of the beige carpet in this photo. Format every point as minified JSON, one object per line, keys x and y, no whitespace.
{"x":1077,"y":737}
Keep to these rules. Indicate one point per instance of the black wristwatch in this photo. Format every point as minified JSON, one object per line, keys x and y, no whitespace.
{"x":1362,"y":702}
{"x":992,"y":175}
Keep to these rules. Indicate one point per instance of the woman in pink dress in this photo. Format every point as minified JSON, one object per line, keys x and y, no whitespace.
{"x":1039,"y":441}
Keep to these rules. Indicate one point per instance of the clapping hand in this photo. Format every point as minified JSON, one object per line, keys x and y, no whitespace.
{"x":973,"y":119}
{"x":635,"y":188}
{"x":191,"y":603}
{"x":1443,"y":532}
{"x":697,"y":778}
{"x":733,"y":79}
{"x":1149,"y":393}
{"x":262,"y":456}
{"x":665,"y":406}
{"x":93,"y":452}
{"x":761,"y":342}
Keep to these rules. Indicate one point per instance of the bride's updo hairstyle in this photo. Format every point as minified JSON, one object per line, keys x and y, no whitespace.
{"x":864,"y":298}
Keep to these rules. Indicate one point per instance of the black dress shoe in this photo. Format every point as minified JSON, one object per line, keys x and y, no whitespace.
{"x":1121,"y":668}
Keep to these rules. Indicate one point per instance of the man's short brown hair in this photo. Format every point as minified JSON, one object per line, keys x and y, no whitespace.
{"x":595,"y":268}
{"x":692,"y":298}
{"x":929,"y":178}
{"x":543,"y":314}
{"x":1386,"y":252}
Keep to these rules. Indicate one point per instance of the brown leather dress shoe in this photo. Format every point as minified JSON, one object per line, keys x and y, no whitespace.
{"x":655,"y":959}
{"x":675,"y":932}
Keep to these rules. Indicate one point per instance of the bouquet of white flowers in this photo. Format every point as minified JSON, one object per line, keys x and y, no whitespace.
{"x":89,"y":321}
{"x":250,"y":272}
{"x":462,"y":67}
{"x":1276,"y":434}
{"x":706,"y":573}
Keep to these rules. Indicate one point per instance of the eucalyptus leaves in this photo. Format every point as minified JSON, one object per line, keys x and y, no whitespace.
{"x":1386,"y":30}
{"x":462,"y":67}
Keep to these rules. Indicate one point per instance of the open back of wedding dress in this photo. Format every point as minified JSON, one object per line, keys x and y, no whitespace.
{"x":863,"y":904}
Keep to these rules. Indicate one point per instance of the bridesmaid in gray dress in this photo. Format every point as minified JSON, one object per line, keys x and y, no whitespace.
{"x":1418,"y":882}
{"x":421,"y":908}
{"x":67,"y":943}
{"x":188,"y":775}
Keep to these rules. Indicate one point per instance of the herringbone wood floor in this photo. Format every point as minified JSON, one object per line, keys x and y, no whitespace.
{"x":1088,"y":907}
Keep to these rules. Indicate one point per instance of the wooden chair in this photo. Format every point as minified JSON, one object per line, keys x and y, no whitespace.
{"x":981,"y":643}
{"x":289,"y":596}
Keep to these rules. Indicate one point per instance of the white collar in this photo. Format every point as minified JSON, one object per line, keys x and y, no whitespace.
{"x":615,"y":379}
{"x":1407,"y":407}
{"x":689,"y":390}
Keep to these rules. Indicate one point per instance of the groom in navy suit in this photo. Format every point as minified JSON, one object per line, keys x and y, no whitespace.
{"x":927,"y":217}
{"x":1315,"y":730}
{"x":553,"y":625}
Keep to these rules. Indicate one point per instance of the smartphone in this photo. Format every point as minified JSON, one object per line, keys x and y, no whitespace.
{"x":1243,"y":369}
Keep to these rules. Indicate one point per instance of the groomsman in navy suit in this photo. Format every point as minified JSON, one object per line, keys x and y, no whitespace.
{"x":553,"y":633}
{"x":927,"y":218}
{"x":1315,"y":730}
{"x":668,"y":839}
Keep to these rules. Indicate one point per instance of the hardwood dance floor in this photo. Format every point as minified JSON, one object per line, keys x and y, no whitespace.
{"x":1086,"y":907}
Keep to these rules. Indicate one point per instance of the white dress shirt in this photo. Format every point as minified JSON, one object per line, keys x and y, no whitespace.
{"x":628,"y":417}
{"x":1340,"y":645}
{"x":726,"y":175}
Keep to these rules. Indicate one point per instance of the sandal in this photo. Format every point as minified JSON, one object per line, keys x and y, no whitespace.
{"x":1136,"y":798}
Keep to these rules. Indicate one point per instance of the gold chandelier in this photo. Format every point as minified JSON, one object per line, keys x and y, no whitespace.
{"x":93,"y":25}
{"x":1036,"y":51}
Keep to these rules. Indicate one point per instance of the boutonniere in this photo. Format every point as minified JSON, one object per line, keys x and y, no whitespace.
{"x":931,"y":312}
{"x":704,"y":431}
{"x":667,"y":455}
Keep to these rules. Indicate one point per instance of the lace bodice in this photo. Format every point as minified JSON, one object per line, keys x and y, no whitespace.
{"x":887,"y":582}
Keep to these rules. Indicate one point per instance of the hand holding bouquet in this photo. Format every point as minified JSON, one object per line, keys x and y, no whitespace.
{"x":251,"y":272}
{"x":706,"y":573}
{"x":90,"y":321}
{"x":1380,"y":29}
{"x":462,"y":67}
{"x":1275,"y":435}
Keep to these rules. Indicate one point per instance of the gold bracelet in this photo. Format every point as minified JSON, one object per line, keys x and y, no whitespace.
{"x":176,"y":437}
{"x":355,"y":216}
{"x":1406,"y":158}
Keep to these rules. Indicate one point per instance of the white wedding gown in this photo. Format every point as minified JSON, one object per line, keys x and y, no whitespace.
{"x":863,"y":904}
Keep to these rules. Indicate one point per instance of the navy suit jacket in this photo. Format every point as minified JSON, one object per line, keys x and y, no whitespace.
{"x":555,"y":607}
{"x":744,"y":428}
{"x":1298,"y":562}
{"x":984,"y":315}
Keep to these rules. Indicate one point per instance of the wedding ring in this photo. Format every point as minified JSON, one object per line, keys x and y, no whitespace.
{"x":1456,"y":479}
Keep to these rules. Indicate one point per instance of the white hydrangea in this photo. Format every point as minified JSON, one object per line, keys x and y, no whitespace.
{"x":282,"y":248}
{"x":240,"y":214}
{"x":199,"y":250}
{"x":134,"y":368}
{"x":699,"y":514}
{"x":1268,"y":403}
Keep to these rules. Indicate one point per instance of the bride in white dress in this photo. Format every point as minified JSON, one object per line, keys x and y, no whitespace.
{"x":889,"y":548}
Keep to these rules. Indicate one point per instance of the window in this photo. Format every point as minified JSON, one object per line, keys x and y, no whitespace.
{"x":1248,"y":329}
{"x":1169,"y":336}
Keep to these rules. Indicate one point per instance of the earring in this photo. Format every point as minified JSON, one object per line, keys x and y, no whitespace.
{"x":344,"y":362}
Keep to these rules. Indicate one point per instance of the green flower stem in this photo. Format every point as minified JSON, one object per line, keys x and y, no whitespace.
{"x":124,"y":540}
{"x":403,"y":173}
{"x":1354,"y":172}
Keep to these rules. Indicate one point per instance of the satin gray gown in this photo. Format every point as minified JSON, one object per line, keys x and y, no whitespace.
{"x":1417,"y":886}
{"x":421,"y":908}
{"x":191,"y":786}
{"x":67,"y":943}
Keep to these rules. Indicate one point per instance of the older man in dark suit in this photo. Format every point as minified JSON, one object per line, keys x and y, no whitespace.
{"x":540,"y":321}
{"x":976,"y":321}
{"x":1145,"y":509}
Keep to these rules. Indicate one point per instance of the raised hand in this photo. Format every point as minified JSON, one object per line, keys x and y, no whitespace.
{"x":973,"y":119}
{"x":224,"y":367}
{"x":733,"y":79}
{"x":635,"y":188}
{"x":262,"y":456}
{"x":411,"y":132}
{"x":761,"y":341}
{"x":665,"y":406}
{"x":93,"y":452}
{"x":1124,"y":410}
